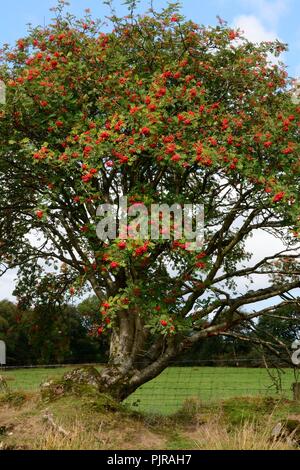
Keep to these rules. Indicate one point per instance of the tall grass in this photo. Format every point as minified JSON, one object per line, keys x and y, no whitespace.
{"x":248,"y":436}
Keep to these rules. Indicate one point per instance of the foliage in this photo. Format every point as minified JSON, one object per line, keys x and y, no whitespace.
{"x":284,"y":325}
{"x":47,"y":335}
{"x":161,"y":110}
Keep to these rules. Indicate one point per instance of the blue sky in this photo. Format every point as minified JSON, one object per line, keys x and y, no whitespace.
{"x":260,"y":19}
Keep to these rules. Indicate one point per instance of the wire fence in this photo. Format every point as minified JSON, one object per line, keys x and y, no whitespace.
{"x":178,"y":384}
{"x":181,"y":382}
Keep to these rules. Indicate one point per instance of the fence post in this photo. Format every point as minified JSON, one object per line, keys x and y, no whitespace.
{"x":296,"y":391}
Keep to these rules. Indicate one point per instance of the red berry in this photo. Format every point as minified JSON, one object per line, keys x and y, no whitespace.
{"x":175,"y":158}
{"x":86,"y":178}
{"x":145,"y":131}
{"x":232,"y":35}
{"x":21,"y":44}
{"x":200,"y":265}
{"x":122,"y":245}
{"x":114,"y":265}
{"x":267,"y":144}
{"x":100,"y":330}
{"x":278,"y":196}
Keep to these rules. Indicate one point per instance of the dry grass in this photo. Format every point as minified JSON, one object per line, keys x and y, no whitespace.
{"x":110,"y":433}
{"x":214,"y":435}
{"x":80,"y":424}
{"x":82,"y":439}
{"x":249,"y":436}
{"x":86,"y":427}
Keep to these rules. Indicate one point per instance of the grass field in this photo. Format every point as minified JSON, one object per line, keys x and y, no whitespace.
{"x":184,"y":408}
{"x":166,"y":393}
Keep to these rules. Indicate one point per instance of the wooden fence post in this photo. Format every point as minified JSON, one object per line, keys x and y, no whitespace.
{"x":296,"y":391}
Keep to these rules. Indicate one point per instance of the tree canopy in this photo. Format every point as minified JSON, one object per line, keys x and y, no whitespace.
{"x":161,"y":110}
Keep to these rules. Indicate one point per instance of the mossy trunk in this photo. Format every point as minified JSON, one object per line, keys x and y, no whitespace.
{"x":125,"y":357}
{"x":116,"y":381}
{"x":132,"y":362}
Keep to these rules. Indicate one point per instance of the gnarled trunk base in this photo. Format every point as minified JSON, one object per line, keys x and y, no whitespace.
{"x":116,"y":381}
{"x":111,"y":381}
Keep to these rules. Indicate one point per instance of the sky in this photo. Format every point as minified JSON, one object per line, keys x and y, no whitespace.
{"x":259,"y":19}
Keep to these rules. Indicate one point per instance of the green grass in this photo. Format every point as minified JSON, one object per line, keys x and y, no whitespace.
{"x":166,"y":393}
{"x":29,"y":380}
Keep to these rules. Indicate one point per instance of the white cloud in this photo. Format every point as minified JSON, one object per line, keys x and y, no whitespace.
{"x":253,"y":28}
{"x":269,"y":11}
{"x":263,"y":244}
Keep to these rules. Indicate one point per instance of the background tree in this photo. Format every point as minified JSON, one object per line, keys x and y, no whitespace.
{"x":58,"y":334}
{"x":161,"y":110}
{"x":12,"y":331}
{"x":282,"y":328}
{"x":283,"y":325}
{"x":49,"y":334}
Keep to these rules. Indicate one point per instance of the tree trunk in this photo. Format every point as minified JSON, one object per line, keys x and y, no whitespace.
{"x":296,"y":391}
{"x":115,"y":381}
{"x":130,"y":363}
{"x":127,"y":342}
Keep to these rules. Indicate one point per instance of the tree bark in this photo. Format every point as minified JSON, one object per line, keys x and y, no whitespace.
{"x":296,"y":391}
{"x":130,"y":364}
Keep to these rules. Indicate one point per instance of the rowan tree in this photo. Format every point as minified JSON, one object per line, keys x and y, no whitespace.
{"x":161,"y":110}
